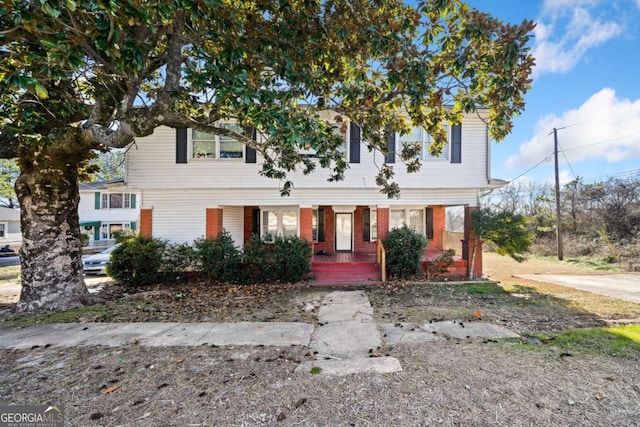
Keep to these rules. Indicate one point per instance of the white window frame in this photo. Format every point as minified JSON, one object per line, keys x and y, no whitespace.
{"x":105,"y":229}
{"x":314,"y":225}
{"x":105,"y":200}
{"x":279,"y":211}
{"x":4,"y":230}
{"x":311,"y":153}
{"x":407,"y":217}
{"x":216,"y":141}
{"x":425,"y":141}
{"x":373,"y":224}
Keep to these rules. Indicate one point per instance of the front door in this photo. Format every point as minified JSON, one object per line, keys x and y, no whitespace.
{"x":344,"y":231}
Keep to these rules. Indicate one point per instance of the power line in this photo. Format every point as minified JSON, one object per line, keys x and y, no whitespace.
{"x":546,"y":159}
{"x":567,"y":160}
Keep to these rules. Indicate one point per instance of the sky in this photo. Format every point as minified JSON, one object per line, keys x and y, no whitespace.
{"x":586,"y":84}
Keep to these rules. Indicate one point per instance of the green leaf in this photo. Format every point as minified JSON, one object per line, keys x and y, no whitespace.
{"x":41,"y":91}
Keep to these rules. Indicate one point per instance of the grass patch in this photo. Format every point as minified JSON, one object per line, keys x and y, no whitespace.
{"x":618,"y":341}
{"x":92,"y":313}
{"x":594,"y":264}
{"x":10,"y":274}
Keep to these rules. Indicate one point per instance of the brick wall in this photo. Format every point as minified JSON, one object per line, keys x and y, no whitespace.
{"x":248,"y":222}
{"x":214,"y":222}
{"x":435,"y":244}
{"x":383,"y":223}
{"x":329,"y":232}
{"x":146,"y":222}
{"x":358,"y":230}
{"x":306,"y":224}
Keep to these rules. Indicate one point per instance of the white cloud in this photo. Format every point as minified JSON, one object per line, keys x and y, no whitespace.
{"x":605,"y":127}
{"x":559,"y":53}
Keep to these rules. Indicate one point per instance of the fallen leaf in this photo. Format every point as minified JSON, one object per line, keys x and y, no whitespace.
{"x":597,"y":396}
{"x":179,"y":361}
{"x":110,"y":389}
{"x":477,"y":313}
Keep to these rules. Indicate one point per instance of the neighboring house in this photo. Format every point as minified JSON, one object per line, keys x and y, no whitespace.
{"x":107,"y":207}
{"x":193,"y":184}
{"x":10,"y":233}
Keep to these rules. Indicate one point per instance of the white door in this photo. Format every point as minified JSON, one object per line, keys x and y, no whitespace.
{"x":344,"y":230}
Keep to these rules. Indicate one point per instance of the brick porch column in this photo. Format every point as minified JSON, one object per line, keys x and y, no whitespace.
{"x":383,"y":222}
{"x":214,"y":222}
{"x":146,"y":222}
{"x":438,"y":226}
{"x":306,"y":223}
{"x":469,"y":241}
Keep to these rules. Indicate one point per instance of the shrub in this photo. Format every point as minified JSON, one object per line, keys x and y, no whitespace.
{"x":439,"y":267}
{"x":282,"y":259}
{"x":291,"y":258}
{"x":177,"y":262}
{"x":219,"y":259}
{"x":137,"y":261}
{"x":405,"y":248}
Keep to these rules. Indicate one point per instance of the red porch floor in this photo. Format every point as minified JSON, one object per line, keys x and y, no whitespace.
{"x":344,"y":257}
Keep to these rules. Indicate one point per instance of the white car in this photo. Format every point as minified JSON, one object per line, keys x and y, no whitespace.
{"x":96,"y":264}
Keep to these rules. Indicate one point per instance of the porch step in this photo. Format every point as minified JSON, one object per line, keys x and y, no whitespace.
{"x":330,"y":273}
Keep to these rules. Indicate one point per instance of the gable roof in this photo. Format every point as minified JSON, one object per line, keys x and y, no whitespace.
{"x":8,"y":214}
{"x":99,"y":185}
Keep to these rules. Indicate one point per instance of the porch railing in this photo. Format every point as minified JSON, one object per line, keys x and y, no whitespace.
{"x":381,"y":259}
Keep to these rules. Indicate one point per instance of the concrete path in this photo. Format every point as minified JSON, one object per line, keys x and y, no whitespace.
{"x":347,"y":337}
{"x":345,"y":342}
{"x":621,"y":286}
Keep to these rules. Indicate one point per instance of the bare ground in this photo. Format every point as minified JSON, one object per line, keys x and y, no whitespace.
{"x":450,"y":383}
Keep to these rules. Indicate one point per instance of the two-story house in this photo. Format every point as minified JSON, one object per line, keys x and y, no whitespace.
{"x":193,"y":184}
{"x":105,"y":208}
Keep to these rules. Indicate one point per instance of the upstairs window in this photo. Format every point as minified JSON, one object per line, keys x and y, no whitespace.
{"x":3,"y":229}
{"x":420,"y":136}
{"x":211,"y":146}
{"x":339,"y":130}
{"x":118,"y":201}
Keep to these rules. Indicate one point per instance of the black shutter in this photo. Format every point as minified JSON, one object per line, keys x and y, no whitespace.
{"x":456,"y":143}
{"x":429,"y":223}
{"x":366,"y":220}
{"x":320,"y":225}
{"x":255,"y":221}
{"x":391,"y":142}
{"x":354,"y":143}
{"x":250,"y":153}
{"x":181,"y":145}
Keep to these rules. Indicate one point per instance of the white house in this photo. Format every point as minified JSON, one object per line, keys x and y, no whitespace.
{"x":193,"y":184}
{"x":10,"y":233}
{"x":105,"y":208}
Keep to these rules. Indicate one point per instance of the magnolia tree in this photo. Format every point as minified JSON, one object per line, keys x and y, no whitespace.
{"x":77,"y":77}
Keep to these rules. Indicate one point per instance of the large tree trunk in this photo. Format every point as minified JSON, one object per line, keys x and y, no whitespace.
{"x":47,"y":189}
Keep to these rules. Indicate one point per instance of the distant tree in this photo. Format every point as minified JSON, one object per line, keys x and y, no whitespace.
{"x":504,"y":229}
{"x":107,"y":166}
{"x":8,"y":174}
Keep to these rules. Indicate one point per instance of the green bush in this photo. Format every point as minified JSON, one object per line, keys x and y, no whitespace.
{"x":137,"y":261}
{"x":282,"y":259}
{"x":177,"y":262}
{"x":405,"y":248}
{"x":291,"y":258}
{"x":257,"y":261}
{"x":219,"y":259}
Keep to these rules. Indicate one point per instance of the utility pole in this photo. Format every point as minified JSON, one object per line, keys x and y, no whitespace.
{"x":558,"y":216}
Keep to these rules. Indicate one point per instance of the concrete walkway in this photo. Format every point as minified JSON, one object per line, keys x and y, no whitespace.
{"x":345,"y":342}
{"x":621,"y":286}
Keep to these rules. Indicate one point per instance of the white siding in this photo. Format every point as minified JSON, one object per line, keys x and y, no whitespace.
{"x":151,"y":165}
{"x":233,"y":222}
{"x":88,"y":213}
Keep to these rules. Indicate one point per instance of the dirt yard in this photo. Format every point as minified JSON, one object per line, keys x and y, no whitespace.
{"x":449,"y":383}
